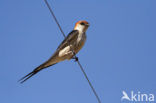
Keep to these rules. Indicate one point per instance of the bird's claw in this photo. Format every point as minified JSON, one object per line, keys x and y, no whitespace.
{"x":76,"y":59}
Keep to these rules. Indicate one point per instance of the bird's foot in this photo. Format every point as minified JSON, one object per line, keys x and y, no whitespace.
{"x":76,"y":58}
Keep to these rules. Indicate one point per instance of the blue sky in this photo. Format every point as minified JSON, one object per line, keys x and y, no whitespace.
{"x":120,"y":52}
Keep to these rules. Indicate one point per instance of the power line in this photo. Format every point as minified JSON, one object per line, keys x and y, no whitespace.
{"x":54,"y":17}
{"x":89,"y":81}
{"x":84,"y":73}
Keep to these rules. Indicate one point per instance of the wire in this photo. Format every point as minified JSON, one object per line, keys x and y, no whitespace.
{"x":89,"y":81}
{"x":52,"y":13}
{"x":54,"y":17}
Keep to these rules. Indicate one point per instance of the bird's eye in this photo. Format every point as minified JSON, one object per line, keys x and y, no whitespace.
{"x":82,"y":23}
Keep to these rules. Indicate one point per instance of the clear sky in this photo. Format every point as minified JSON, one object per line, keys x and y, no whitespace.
{"x":119,"y":54}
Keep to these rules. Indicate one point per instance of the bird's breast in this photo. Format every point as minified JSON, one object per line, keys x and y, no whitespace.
{"x":80,"y":42}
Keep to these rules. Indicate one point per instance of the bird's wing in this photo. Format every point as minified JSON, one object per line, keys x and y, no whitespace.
{"x":72,"y":37}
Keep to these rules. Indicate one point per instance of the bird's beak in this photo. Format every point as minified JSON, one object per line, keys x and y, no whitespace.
{"x":87,"y":25}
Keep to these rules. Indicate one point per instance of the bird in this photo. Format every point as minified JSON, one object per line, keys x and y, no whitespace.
{"x":67,"y":50}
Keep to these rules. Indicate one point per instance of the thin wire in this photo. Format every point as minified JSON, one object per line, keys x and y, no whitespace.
{"x":54,"y":17}
{"x":89,"y":81}
{"x":74,"y":53}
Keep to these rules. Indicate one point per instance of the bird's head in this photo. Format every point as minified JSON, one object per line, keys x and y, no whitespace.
{"x":82,"y":26}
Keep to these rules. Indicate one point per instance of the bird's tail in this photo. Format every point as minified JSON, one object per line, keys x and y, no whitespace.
{"x":35,"y":71}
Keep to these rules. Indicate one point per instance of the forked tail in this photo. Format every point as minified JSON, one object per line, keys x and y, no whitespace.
{"x":35,"y":71}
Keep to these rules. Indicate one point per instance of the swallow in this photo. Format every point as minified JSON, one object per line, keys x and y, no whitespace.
{"x":67,"y":50}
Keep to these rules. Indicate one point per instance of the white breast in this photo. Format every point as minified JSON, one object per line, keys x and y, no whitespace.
{"x":81,"y":37}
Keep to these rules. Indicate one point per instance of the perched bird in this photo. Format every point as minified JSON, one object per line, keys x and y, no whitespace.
{"x":66,"y":50}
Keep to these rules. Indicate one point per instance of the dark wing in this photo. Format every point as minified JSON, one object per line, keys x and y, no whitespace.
{"x":70,"y":39}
